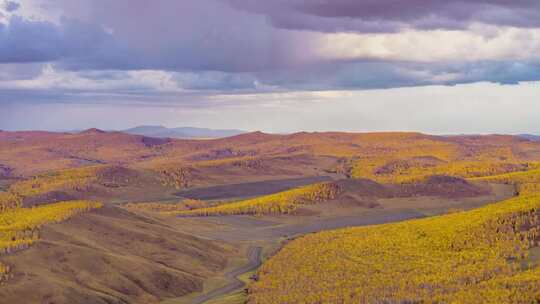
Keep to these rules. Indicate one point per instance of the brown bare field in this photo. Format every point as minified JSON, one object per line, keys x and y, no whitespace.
{"x":252,"y":189}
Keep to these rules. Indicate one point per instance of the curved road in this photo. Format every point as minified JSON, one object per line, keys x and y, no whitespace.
{"x":254,"y":252}
{"x":254,"y":261}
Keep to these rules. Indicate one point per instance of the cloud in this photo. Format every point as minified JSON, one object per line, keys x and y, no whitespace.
{"x":206,"y":35}
{"x":24,"y":41}
{"x":161,"y":53}
{"x":476,"y":44}
{"x":392,"y":15}
{"x":11,"y":6}
{"x":49,"y":83}
{"x":362,"y":75}
{"x":53,"y":79}
{"x":212,"y":35}
{"x":13,"y":71}
{"x":217,"y":81}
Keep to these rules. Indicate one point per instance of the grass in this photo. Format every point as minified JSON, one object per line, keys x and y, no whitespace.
{"x":9,"y":201}
{"x":19,"y":227}
{"x":527,"y":182}
{"x":70,"y":179}
{"x":279,"y":203}
{"x":409,"y":170}
{"x":166,"y":208}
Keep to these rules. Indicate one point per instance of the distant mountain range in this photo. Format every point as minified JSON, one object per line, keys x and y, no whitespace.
{"x":182,"y":132}
{"x":530,"y":137}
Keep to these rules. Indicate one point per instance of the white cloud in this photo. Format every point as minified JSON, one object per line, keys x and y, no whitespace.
{"x":39,"y":10}
{"x":158,"y":80}
{"x":54,"y":79}
{"x":479,"y":42}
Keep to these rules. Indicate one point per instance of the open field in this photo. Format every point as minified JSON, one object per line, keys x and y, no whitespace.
{"x":243,"y":190}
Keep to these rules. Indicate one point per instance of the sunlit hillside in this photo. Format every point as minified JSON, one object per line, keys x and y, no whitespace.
{"x":279,"y":203}
{"x":30,"y":153}
{"x":526,"y":183}
{"x":478,"y":256}
{"x":69,"y":179}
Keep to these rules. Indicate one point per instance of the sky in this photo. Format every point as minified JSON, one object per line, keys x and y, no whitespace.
{"x":440,"y":66}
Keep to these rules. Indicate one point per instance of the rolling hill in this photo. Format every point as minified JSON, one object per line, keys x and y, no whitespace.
{"x":111,"y":256}
{"x":393,"y":175}
{"x":487,"y":255}
{"x":23,"y":153}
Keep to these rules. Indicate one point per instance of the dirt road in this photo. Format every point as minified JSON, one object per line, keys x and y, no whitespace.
{"x":269,"y":232}
{"x":254,"y":261}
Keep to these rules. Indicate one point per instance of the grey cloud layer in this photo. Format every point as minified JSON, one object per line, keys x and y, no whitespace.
{"x":186,"y":35}
{"x":11,"y":6}
{"x":243,"y":45}
{"x":23,"y":41}
{"x":392,"y":15}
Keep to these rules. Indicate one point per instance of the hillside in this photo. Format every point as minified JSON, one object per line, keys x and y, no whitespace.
{"x":252,"y":154}
{"x":111,"y":256}
{"x":479,"y":256}
{"x":338,"y":192}
{"x":259,"y":189}
{"x":100,"y":182}
{"x":20,"y":227}
{"x":279,"y":203}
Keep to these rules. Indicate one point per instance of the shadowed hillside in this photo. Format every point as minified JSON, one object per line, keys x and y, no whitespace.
{"x":111,"y":256}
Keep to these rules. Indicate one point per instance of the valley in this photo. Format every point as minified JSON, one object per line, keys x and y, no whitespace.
{"x":191,"y":221}
{"x":269,"y":152}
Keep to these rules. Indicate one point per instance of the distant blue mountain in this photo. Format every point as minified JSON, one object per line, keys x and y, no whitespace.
{"x":530,"y":137}
{"x":182,"y":132}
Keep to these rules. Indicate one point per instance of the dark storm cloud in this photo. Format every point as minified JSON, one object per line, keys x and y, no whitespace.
{"x":383,"y":75}
{"x":11,"y":6}
{"x":207,"y":35}
{"x":23,"y":41}
{"x":392,"y":15}
{"x":225,"y":35}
